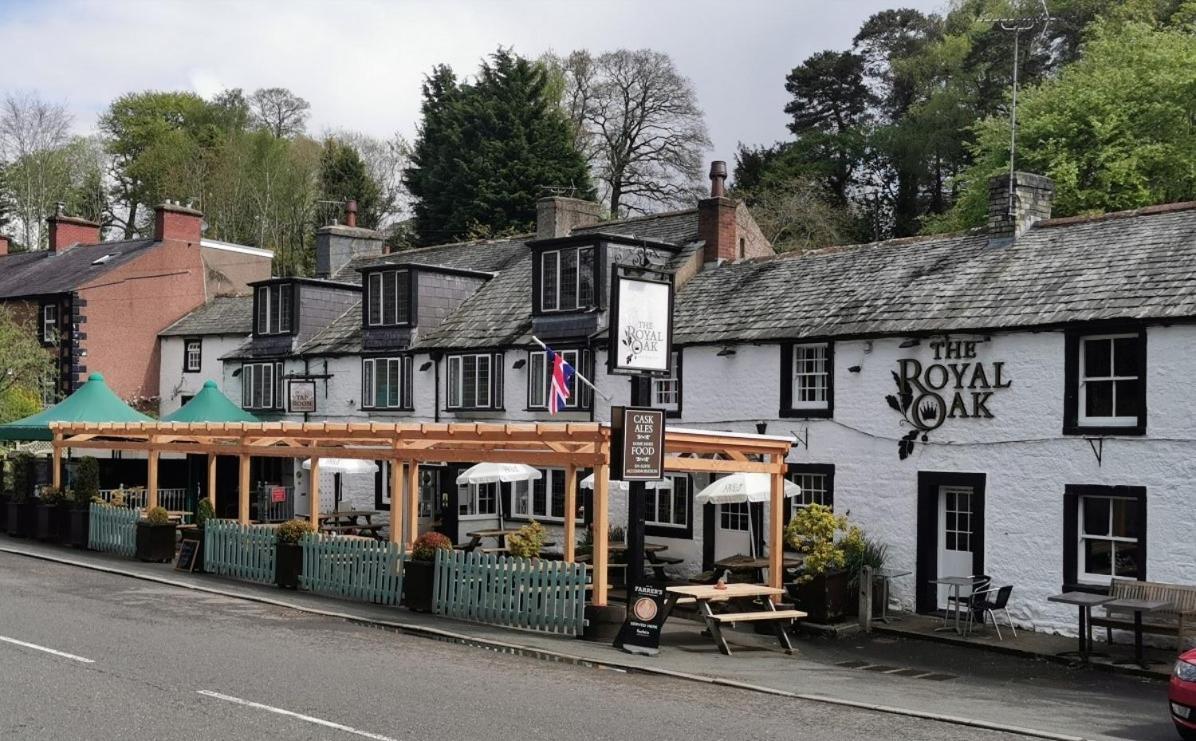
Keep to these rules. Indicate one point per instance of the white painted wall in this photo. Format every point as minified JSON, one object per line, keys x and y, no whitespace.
{"x":175,"y":384}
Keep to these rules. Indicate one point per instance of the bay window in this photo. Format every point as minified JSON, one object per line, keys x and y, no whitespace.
{"x":273,"y":308}
{"x":567,"y":279}
{"x":388,"y":298}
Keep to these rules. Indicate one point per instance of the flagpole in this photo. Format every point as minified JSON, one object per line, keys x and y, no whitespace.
{"x":576,"y":373}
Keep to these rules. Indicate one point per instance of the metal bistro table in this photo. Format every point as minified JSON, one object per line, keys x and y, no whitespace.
{"x":1138,"y":606}
{"x":887,"y":575}
{"x":1085,"y":601}
{"x":956,"y":583}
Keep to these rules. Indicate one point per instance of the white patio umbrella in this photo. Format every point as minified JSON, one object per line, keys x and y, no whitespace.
{"x":494,"y":473}
{"x":337,"y":466}
{"x":744,"y":487}
{"x":617,"y":485}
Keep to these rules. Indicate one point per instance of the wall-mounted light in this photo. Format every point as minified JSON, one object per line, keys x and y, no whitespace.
{"x":910,"y":343}
{"x":425,"y":366}
{"x":853,"y":369}
{"x":761,"y":428}
{"x":519,"y":363}
{"x":236,"y":373}
{"x":726,"y":352}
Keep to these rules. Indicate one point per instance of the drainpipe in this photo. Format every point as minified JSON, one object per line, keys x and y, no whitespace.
{"x":436,"y":386}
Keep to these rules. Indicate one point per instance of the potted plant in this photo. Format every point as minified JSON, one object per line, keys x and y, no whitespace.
{"x":49,"y":514}
{"x":5,"y":493}
{"x":419,"y":572}
{"x":527,"y":541}
{"x":155,"y":536}
{"x":87,"y":489}
{"x":22,"y":515}
{"x":195,"y":531}
{"x":288,"y":556}
{"x":822,"y":589}
{"x":861,"y":551}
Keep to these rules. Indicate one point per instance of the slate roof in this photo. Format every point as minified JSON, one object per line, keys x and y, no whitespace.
{"x":43,"y":272}
{"x":1129,"y":266}
{"x":220,"y":315}
{"x":484,"y":255}
{"x":677,"y":227}
{"x":341,"y":337}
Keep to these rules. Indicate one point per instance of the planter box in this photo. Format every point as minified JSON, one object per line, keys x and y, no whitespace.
{"x":419,"y":579}
{"x":4,"y":499}
{"x":825,"y":599}
{"x":78,"y":527}
{"x":22,"y":518}
{"x":288,"y":565}
{"x":603,"y":623}
{"x":51,"y":522}
{"x":155,"y":543}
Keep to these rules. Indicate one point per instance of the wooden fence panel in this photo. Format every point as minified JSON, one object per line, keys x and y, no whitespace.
{"x":536,"y":594}
{"x":245,"y":552}
{"x":113,"y":529}
{"x":357,"y":569}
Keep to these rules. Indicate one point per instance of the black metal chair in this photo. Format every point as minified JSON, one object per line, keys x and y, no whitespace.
{"x":980,"y":582}
{"x":984,"y":604}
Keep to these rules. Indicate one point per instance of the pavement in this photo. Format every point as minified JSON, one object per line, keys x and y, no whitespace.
{"x":913,"y":682}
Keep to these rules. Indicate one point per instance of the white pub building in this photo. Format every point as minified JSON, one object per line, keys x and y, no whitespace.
{"x":1012,"y":401}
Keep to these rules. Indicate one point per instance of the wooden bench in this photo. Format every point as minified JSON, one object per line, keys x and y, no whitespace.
{"x":374,"y":531}
{"x":749,"y":617}
{"x":1176,"y":622}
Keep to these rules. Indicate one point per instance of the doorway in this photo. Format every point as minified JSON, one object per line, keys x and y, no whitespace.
{"x":950,"y":532}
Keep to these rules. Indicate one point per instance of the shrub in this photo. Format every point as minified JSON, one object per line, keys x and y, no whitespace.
{"x":157,"y":516}
{"x":292,"y":531}
{"x":52,"y":495}
{"x":22,"y":481}
{"x":426,"y":545}
{"x":527,"y":541}
{"x":87,"y":481}
{"x":818,"y":533}
{"x":859,"y":551}
{"x":203,"y":512}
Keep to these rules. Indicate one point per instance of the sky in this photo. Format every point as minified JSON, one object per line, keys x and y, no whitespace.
{"x":360,"y":64}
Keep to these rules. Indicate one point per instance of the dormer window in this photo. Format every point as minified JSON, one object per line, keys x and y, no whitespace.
{"x":567,"y":279}
{"x":388,"y":298}
{"x":274,"y":309}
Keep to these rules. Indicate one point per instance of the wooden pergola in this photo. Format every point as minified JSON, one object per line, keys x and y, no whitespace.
{"x":570,"y":446}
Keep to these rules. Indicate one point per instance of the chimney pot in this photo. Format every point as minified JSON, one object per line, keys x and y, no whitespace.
{"x":718,"y":179}
{"x":351,"y":213}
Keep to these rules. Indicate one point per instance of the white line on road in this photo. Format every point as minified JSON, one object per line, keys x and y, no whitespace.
{"x":36,"y":647}
{"x":292,"y":714}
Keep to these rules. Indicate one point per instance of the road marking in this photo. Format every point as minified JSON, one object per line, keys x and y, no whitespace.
{"x":36,"y":647}
{"x":292,"y":714}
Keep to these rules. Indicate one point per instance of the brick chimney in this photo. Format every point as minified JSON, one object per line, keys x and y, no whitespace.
{"x":557,"y":216}
{"x":68,"y":231}
{"x":1009,"y":218}
{"x":716,"y":218}
{"x":173,"y":220}
{"x":5,"y":243}
{"x":338,"y":244}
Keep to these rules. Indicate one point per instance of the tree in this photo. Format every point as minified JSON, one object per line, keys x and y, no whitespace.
{"x":24,"y":364}
{"x":488,"y":149}
{"x":344,"y":177}
{"x":279,"y":111}
{"x":638,"y":121}
{"x":795,"y":215}
{"x":33,"y":133}
{"x":385,"y":160}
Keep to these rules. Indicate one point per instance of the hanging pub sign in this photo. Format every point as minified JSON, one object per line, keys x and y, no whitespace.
{"x":640,"y":633}
{"x":637,"y":444}
{"x":641,"y":328}
{"x":956,"y":384}
{"x":301,"y":396}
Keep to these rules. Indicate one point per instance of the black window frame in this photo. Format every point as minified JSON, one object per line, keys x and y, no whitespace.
{"x":677,"y":370}
{"x":658,"y":530}
{"x":292,"y":313}
{"x":276,"y":401}
{"x":583,"y":394}
{"x":827,"y":470}
{"x":1073,"y":343}
{"x":495,"y":382}
{"x":407,"y":377}
{"x":187,"y":355}
{"x":597,"y":260}
{"x":44,"y":336}
{"x":787,"y":410}
{"x":368,"y":294}
{"x":541,"y":485}
{"x":1071,"y":530}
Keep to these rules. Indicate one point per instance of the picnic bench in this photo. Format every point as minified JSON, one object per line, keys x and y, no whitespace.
{"x":372,"y":530}
{"x":706,"y":595}
{"x":1175,"y":621}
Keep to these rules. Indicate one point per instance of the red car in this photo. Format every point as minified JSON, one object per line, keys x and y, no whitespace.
{"x":1182,"y":695}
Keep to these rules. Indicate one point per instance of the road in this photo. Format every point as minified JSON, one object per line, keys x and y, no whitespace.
{"x":179,"y":664}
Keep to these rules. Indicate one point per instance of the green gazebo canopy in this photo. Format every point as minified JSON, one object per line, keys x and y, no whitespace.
{"x":209,"y":405}
{"x":93,"y":402}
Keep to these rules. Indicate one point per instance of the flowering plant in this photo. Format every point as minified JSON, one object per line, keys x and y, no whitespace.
{"x":291,"y":531}
{"x":527,"y":541}
{"x":823,"y":538}
{"x":426,"y":545}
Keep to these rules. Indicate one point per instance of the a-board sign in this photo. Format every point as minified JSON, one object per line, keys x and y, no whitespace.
{"x":640,"y":633}
{"x":637,"y":449}
{"x":641,"y":327}
{"x":188,"y":553}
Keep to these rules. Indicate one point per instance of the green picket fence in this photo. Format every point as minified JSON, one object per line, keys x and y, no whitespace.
{"x":241,"y":551}
{"x":356,"y":569}
{"x":113,"y":529}
{"x":540,"y":595}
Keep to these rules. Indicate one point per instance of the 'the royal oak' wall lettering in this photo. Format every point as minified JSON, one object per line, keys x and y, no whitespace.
{"x":956,"y":385}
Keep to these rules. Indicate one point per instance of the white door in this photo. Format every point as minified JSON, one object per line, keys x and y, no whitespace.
{"x":731,"y":530}
{"x":956,"y":537}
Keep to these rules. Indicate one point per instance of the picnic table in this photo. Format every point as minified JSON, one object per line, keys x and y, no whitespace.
{"x":347,"y":516}
{"x":499,"y":534}
{"x":1137,"y":606}
{"x":1085,"y":601}
{"x":706,"y":595}
{"x":371,"y":530}
{"x":652,"y":552}
{"x":754,"y":566}
{"x":345,"y":522}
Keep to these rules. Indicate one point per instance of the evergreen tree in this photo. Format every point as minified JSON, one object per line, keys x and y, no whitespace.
{"x":344,"y":177}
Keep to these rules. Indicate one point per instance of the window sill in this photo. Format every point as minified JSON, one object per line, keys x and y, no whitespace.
{"x":1137,"y":430}
{"x":566,"y":410}
{"x":457,"y":410}
{"x":388,"y":409}
{"x":825,"y":413}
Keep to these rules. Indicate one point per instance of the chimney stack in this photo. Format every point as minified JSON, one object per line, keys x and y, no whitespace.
{"x":1010,"y":217}
{"x":338,"y":244}
{"x":68,"y":231}
{"x":351,"y":214}
{"x":5,"y":243}
{"x":717,"y":225}
{"x":557,"y":216}
{"x":172,"y":220}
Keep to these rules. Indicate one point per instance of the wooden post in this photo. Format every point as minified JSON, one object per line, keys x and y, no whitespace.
{"x":776,"y":523}
{"x":866,"y":598}
{"x":56,"y":475}
{"x":601,"y":521}
{"x":212,"y":480}
{"x":151,"y":487}
{"x":313,"y":490}
{"x":243,"y":491}
{"x":396,"y":501}
{"x":412,"y":518}
{"x":570,"y":511}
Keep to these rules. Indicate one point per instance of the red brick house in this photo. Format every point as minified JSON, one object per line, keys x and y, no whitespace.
{"x":98,"y":306}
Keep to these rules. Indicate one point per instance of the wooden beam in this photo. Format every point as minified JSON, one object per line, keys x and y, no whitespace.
{"x":243,"y":490}
{"x":212,"y":480}
{"x":776,"y":530}
{"x":396,"y":501}
{"x":707,"y":465}
{"x":151,"y":487}
{"x":313,"y":489}
{"x":570,"y":509}
{"x":601,"y":521}
{"x":56,"y":474}
{"x":411,"y":520}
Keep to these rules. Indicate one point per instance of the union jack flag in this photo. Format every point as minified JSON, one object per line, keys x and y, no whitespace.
{"x":562,"y":376}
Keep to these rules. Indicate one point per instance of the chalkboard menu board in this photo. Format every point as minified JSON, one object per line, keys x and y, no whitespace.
{"x":188,"y":553}
{"x":640,"y":634}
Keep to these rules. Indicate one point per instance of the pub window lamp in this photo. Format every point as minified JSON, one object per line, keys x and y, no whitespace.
{"x":1106,"y":383}
{"x":567,"y":279}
